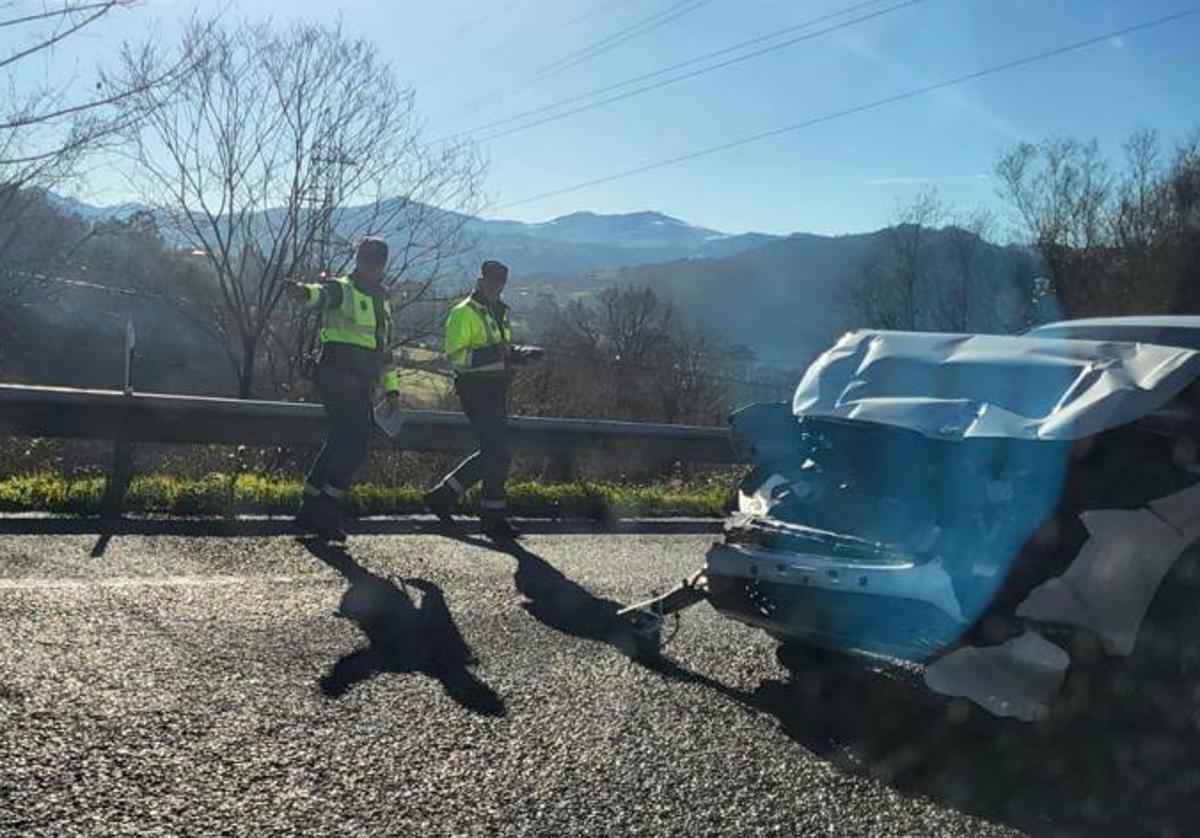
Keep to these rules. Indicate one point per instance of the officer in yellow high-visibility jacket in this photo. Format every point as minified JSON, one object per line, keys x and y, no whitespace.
{"x":479,"y":346}
{"x":355,"y":337}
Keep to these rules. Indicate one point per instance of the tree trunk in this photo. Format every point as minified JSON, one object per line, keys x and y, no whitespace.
{"x":246,"y":373}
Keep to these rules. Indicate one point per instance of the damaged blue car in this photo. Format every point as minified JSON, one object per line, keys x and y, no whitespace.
{"x":959,"y":505}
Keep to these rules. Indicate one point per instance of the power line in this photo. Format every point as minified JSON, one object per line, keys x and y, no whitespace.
{"x":570,"y":100}
{"x":605,"y":44}
{"x":638,"y":91}
{"x":470,"y":26}
{"x":708,"y":376}
{"x":621,"y":36}
{"x":553,"y":352}
{"x":603,"y":8}
{"x":409,"y":365}
{"x":872,"y":105}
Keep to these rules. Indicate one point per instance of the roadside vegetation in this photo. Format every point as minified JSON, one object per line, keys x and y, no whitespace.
{"x":252,"y":494}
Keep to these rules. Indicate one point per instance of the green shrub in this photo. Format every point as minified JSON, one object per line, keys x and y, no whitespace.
{"x":255,"y":494}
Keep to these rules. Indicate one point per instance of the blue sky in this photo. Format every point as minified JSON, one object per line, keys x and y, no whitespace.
{"x":474,"y":62}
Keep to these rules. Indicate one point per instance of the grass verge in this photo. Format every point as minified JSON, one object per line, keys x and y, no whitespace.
{"x":250,"y":494}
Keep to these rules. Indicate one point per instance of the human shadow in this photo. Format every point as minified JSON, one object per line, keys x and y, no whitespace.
{"x":402,"y":635}
{"x":560,"y":603}
{"x":1117,"y":755}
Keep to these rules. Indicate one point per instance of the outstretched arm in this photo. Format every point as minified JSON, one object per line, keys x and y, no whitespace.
{"x":316,"y":295}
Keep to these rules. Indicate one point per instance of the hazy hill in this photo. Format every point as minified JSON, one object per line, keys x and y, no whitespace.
{"x":783,"y":298}
{"x":586,"y":241}
{"x":579,"y":242}
{"x":786,"y":300}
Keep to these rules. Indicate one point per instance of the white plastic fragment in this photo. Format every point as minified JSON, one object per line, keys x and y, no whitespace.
{"x":760,"y":501}
{"x":1182,"y":511}
{"x":1110,"y":585}
{"x":1015,"y":679}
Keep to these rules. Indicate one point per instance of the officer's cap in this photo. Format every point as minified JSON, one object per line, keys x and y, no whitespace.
{"x":491,"y":269}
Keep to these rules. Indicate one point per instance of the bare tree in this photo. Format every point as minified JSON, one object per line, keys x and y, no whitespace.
{"x":890,"y":292}
{"x":274,"y":156}
{"x":47,"y":128}
{"x":968,"y":239}
{"x":1123,"y":241}
{"x":623,"y":355}
{"x":1059,"y":190}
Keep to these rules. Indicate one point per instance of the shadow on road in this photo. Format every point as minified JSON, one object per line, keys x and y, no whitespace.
{"x":1118,"y":757}
{"x":1062,"y":777}
{"x":402,"y":635}
{"x":106,"y":528}
{"x":558,"y":602}
{"x":555,"y":600}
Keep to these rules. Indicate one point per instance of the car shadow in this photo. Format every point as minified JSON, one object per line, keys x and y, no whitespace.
{"x":402,"y":636}
{"x":1117,"y":756}
{"x":1110,"y":759}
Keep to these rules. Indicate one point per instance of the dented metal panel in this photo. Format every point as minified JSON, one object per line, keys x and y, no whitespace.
{"x":921,"y":497}
{"x":972,"y":386}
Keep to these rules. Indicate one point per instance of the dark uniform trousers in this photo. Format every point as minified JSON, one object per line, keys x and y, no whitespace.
{"x":484,"y":399}
{"x":346,"y":395}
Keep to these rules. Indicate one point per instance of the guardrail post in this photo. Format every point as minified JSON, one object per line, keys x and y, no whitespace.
{"x":116,"y":483}
{"x":121,"y":472}
{"x":560,"y":468}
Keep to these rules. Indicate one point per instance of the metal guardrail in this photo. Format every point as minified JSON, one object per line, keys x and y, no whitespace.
{"x":155,"y":417}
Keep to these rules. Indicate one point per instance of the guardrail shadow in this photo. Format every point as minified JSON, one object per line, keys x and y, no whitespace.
{"x":402,"y":635}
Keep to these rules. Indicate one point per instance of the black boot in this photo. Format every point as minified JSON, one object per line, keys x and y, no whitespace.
{"x":309,"y":515}
{"x":442,"y":502}
{"x":497,"y":527}
{"x":322,"y":517}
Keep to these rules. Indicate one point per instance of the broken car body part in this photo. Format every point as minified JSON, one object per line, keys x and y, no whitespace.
{"x":924,"y":495}
{"x":1017,"y":678}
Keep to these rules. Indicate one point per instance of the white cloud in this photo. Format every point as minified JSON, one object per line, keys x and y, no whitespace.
{"x":900,"y":181}
{"x":924,"y":181}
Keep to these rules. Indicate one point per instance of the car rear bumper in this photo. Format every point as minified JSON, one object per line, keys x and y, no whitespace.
{"x":895,"y":608}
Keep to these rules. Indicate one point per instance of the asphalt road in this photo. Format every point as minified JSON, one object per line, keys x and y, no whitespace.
{"x":166,"y":680}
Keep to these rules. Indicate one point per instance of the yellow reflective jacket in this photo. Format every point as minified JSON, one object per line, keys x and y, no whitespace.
{"x":348,"y":317}
{"x":475,"y":339}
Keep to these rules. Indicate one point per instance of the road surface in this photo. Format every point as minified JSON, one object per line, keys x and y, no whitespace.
{"x":176,"y":679}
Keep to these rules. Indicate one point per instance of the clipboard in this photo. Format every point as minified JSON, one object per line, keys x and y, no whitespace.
{"x":388,"y":421}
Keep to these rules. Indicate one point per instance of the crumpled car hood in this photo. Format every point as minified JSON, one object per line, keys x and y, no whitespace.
{"x":978,"y":386}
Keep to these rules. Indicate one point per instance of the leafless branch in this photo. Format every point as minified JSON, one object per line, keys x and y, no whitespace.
{"x":277,"y":154}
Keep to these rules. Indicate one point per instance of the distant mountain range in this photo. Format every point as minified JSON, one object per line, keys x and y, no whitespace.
{"x":587,"y":241}
{"x":783,"y":298}
{"x":786,"y":301}
{"x":579,"y":242}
